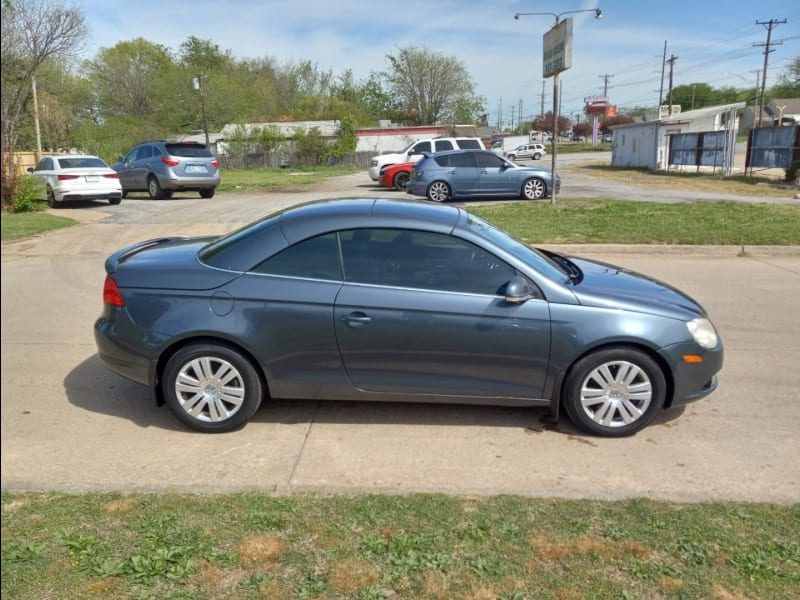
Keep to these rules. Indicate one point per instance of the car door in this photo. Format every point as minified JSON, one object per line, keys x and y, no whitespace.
{"x":133,"y":174}
{"x":493,"y":175}
{"x":462,"y":174}
{"x":428,"y":319}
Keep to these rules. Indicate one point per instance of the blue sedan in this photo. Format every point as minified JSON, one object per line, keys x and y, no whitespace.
{"x":455,"y":174}
{"x":403,"y":301}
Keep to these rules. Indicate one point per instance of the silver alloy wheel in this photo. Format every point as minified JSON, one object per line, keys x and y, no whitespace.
{"x":210,"y":389}
{"x":616,"y":393}
{"x":438,"y":191}
{"x":533,"y":189}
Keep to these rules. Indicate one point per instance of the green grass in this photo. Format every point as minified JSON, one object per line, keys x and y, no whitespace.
{"x":272,"y":180}
{"x":609,"y":221}
{"x":374,"y":546}
{"x":21,"y":225}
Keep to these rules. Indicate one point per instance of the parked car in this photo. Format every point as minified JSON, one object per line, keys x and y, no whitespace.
{"x":404,"y":301}
{"x":477,"y":173}
{"x":534,"y":151}
{"x":576,"y":137}
{"x":396,"y":176}
{"x":413,"y":152}
{"x":161,"y":168}
{"x":608,"y":137}
{"x":77,"y":177}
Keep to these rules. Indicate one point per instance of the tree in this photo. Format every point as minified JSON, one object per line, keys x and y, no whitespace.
{"x":33,"y":31}
{"x":432,"y":87}
{"x":788,"y":85}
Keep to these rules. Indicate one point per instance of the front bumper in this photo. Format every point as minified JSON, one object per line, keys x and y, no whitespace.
{"x":693,"y":381}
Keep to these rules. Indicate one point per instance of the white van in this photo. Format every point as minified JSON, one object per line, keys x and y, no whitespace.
{"x":413,"y":152}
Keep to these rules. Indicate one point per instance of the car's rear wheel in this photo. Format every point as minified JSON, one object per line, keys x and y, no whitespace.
{"x":614,"y":392}
{"x":537,"y":156}
{"x":401,"y":180}
{"x":51,"y":198}
{"x":533,"y":189}
{"x":212,"y":387}
{"x":207,"y":193}
{"x":154,"y":188}
{"x":124,"y":194}
{"x":438,"y":191}
{"x":114,"y":201}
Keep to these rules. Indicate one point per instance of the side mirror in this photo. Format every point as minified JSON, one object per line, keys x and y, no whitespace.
{"x":518,"y":290}
{"x":31,"y":169}
{"x":120,"y":159}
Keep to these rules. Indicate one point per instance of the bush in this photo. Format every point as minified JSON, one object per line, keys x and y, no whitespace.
{"x":29,"y":190}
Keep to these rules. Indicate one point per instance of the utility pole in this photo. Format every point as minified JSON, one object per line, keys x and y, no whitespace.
{"x":770,"y":25}
{"x":542,"y":95}
{"x":198,"y":85}
{"x":513,"y":108}
{"x":36,"y":121}
{"x":661,"y":89}
{"x":671,"y":62}
{"x":605,"y":79}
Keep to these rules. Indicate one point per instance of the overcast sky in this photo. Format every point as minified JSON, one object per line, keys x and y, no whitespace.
{"x":717,"y":42}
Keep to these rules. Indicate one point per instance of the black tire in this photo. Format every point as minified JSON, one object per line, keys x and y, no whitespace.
{"x":154,"y":188}
{"x":512,"y":157}
{"x":401,"y":180}
{"x":537,"y":156}
{"x":207,"y":193}
{"x":51,"y":198}
{"x":124,"y":194}
{"x":212,"y":387}
{"x":533,"y":189}
{"x":438,"y":191}
{"x":614,"y":392}
{"x":114,"y":201}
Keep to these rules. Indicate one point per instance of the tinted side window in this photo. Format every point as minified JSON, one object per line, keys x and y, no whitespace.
{"x":143,"y":153}
{"x":420,"y":259}
{"x":488,"y":159}
{"x":469,"y":144}
{"x":443,"y":145}
{"x":421,"y":147}
{"x":316,"y":258}
{"x":455,"y":160}
{"x":46,"y":164}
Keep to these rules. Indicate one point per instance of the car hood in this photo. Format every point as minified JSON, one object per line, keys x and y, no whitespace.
{"x":166,"y":263}
{"x":609,"y":286}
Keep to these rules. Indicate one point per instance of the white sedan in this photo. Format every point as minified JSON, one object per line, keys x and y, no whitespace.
{"x":77,"y":177}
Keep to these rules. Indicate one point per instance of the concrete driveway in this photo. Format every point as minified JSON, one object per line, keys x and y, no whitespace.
{"x":70,"y":424}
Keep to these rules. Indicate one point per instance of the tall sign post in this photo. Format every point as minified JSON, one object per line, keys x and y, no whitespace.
{"x":557,"y":57}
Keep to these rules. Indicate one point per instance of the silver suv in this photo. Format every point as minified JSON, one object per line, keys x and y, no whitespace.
{"x":160,"y":168}
{"x":534,"y":151}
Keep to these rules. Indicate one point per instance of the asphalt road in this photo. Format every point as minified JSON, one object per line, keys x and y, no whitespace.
{"x":70,"y":424}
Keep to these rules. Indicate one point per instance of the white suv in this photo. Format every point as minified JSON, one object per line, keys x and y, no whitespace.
{"x":413,"y":152}
{"x":534,"y":151}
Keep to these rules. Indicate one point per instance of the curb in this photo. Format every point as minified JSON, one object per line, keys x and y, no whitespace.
{"x":674,"y":250}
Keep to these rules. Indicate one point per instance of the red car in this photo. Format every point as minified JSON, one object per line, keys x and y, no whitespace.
{"x":397,"y":176}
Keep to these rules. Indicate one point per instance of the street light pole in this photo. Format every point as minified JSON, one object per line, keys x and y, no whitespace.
{"x":598,"y":14}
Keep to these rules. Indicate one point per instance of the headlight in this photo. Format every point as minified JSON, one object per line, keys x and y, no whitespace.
{"x":703,"y":332}
{"x":373,"y":163}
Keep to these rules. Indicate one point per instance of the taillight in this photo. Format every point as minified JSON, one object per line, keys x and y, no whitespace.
{"x":215,"y":163}
{"x":111,"y":175}
{"x":170,"y":162}
{"x":111,"y":293}
{"x":67,"y":177}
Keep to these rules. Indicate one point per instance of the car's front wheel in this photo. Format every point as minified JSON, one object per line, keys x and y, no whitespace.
{"x":154,"y":188}
{"x":512,"y":157}
{"x":401,"y":181}
{"x":212,"y":387}
{"x":614,"y":392}
{"x":533,"y":189}
{"x":438,"y":191}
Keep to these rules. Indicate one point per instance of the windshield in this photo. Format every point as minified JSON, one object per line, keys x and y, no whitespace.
{"x":516,"y":247}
